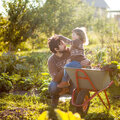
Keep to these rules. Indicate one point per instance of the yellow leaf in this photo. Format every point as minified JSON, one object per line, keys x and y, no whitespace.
{"x":45,"y":73}
{"x":61,"y":115}
{"x":44,"y":116}
{"x":67,"y":115}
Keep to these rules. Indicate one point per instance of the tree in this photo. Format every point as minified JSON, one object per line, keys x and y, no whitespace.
{"x":3,"y":24}
{"x":61,"y":16}
{"x":23,"y":19}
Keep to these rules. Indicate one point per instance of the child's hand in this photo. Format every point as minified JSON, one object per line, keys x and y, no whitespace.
{"x":68,"y":61}
{"x":85,"y":62}
{"x":56,"y":36}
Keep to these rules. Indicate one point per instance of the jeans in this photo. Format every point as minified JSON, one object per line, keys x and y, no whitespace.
{"x":73,"y":64}
{"x":54,"y":90}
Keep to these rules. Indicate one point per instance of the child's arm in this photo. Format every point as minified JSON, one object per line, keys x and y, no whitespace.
{"x":75,"y":43}
{"x":65,"y":39}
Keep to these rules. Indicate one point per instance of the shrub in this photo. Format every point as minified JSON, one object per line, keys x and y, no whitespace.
{"x":38,"y":60}
{"x":24,"y":84}
{"x":114,"y":70}
{"x":11,"y":63}
{"x":5,"y":83}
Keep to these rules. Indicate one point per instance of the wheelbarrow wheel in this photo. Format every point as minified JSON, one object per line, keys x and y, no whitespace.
{"x":82,"y":96}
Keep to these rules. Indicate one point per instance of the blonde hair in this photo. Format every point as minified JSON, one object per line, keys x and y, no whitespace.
{"x":81,"y":32}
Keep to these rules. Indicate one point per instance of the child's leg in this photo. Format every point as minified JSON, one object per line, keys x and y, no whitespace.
{"x":65,"y":79}
{"x":73,"y":64}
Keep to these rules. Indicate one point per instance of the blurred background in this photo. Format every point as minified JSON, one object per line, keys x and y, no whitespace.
{"x":27,"y":24}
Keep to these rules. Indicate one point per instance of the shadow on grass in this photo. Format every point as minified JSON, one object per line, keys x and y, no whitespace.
{"x":98,"y":116}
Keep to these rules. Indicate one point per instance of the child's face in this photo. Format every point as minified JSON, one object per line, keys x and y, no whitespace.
{"x":74,"y":36}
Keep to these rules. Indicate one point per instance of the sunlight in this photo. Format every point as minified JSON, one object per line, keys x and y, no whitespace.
{"x":113,"y":4}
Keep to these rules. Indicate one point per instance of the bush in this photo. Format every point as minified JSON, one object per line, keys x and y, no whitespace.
{"x":11,"y":64}
{"x":38,"y":60}
{"x":25,"y":72}
{"x":114,"y":71}
{"x":24,"y":84}
{"x":5,"y":83}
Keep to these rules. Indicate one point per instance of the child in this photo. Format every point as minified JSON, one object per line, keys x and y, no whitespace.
{"x":77,"y":57}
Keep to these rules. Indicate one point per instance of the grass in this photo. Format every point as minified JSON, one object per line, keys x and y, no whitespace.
{"x":43,"y":50}
{"x":30,"y":107}
{"x":97,"y":109}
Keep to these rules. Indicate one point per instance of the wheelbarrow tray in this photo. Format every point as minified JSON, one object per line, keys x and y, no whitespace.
{"x":99,"y":78}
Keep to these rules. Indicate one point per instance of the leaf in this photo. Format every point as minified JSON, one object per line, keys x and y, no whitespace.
{"x":45,"y":73}
{"x":67,"y":115}
{"x":43,"y":116}
{"x":118,"y":67}
{"x":61,"y":115}
{"x":114,"y":62}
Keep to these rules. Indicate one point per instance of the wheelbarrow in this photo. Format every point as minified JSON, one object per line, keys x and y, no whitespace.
{"x":84,"y":81}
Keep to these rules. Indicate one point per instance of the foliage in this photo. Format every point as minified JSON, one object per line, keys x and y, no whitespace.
{"x":106,"y":60}
{"x":27,"y":72}
{"x":21,"y":107}
{"x":11,"y":63}
{"x":20,"y":25}
{"x":39,"y":80}
{"x":5,"y":83}
{"x":100,"y":116}
{"x":61,"y":17}
{"x":38,"y":40}
{"x":107,"y":28}
{"x":24,"y":84}
{"x":93,"y":37}
{"x":43,"y":89}
{"x":35,"y":60}
{"x":15,"y":82}
{"x":97,"y":55}
{"x":52,"y":16}
{"x":114,"y":70}
{"x":113,"y":52}
{"x":67,"y":115}
{"x":33,"y":107}
{"x":43,"y":116}
{"x":100,"y":56}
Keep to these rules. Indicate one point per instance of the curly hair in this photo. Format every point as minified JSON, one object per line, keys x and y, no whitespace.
{"x":53,"y":43}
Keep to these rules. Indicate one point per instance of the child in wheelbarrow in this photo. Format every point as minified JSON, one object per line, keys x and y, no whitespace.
{"x":77,"y":56}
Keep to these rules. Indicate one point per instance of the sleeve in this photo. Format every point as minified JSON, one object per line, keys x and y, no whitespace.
{"x":65,"y":39}
{"x":55,"y":74}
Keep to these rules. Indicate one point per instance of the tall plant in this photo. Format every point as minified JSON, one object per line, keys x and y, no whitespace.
{"x":23,"y":19}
